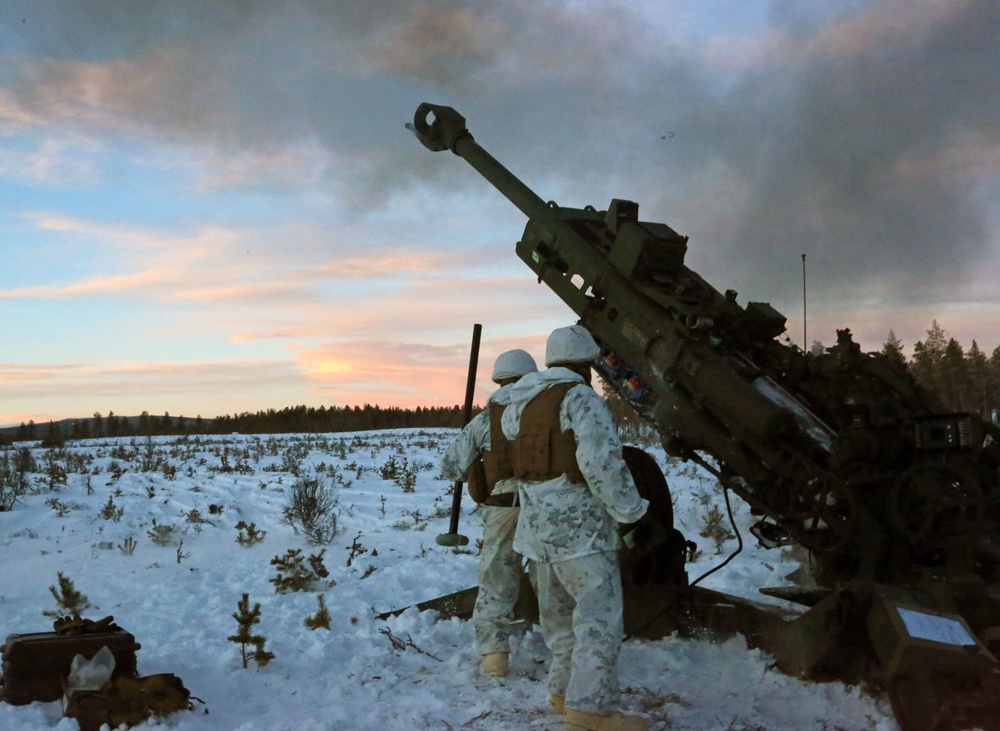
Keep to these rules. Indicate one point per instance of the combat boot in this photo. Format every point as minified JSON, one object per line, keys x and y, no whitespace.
{"x":557,"y":703}
{"x":581,"y":721}
{"x":495,"y":664}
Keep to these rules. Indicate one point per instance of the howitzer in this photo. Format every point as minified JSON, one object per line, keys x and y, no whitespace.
{"x":895,"y":497}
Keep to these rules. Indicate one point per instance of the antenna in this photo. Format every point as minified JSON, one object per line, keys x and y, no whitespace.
{"x":805,"y":339}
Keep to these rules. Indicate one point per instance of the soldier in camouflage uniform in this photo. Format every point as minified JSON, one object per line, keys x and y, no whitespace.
{"x":574,"y":487}
{"x":499,"y":565}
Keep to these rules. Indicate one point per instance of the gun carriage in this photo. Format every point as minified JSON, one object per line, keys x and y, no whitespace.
{"x":843,"y":453}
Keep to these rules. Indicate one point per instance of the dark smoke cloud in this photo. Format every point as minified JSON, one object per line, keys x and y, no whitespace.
{"x":846,"y":161}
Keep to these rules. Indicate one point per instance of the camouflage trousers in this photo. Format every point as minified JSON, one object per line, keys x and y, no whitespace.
{"x":580,"y":607}
{"x":499,"y":578}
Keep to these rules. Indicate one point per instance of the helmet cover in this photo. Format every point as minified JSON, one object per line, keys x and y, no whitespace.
{"x":513,"y":364}
{"x":571,"y":344}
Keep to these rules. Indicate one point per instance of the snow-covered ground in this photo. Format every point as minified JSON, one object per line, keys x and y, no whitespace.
{"x":177,"y":594}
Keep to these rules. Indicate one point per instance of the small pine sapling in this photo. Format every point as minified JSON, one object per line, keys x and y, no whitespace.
{"x":714,"y":527}
{"x":62,"y":509}
{"x":162,"y":535}
{"x":194,"y":516}
{"x":246,"y":618}
{"x":251,"y":536}
{"x":261,"y":656}
{"x":110,"y":511}
{"x":317,"y":566}
{"x":293,"y":573}
{"x":321,"y":618}
{"x":69,"y":601}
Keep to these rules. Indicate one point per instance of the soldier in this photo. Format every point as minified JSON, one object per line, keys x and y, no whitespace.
{"x":499,"y":565}
{"x":574,"y":486}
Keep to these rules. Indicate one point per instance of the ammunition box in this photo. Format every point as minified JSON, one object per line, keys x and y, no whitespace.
{"x":36,"y":665}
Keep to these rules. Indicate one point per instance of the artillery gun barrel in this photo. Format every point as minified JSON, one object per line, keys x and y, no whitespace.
{"x":585,"y":268}
{"x":447,"y":131}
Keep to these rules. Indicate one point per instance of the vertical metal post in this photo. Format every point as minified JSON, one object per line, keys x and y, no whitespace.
{"x":452,"y":537}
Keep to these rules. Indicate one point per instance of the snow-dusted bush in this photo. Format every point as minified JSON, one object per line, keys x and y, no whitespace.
{"x":13,"y":481}
{"x":312,"y":508}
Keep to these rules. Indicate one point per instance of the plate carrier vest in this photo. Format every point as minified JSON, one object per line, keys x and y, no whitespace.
{"x":541,"y":450}
{"x":497,"y":461}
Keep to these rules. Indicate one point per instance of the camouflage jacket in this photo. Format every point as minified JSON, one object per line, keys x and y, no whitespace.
{"x":472,"y":441}
{"x":560,"y":520}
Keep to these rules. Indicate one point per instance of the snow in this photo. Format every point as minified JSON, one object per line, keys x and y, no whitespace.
{"x":178,"y":599}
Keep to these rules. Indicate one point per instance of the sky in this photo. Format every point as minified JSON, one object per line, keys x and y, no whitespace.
{"x":213,"y":207}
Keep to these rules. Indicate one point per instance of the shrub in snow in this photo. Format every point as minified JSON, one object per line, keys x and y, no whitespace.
{"x":293,"y":573}
{"x":13,"y":480}
{"x":312,"y":508}
{"x":321,"y":618}
{"x":251,"y":537}
{"x":110,"y":511}
{"x":163,"y":535}
{"x":716,"y":527}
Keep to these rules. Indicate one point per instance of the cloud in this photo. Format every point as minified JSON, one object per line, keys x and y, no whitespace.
{"x":249,"y":335}
{"x":293,"y":167}
{"x":851,"y":155}
{"x":387,"y":264}
{"x":211,"y":388}
{"x":128,"y":260}
{"x":402,"y":373}
{"x":440,"y":42}
{"x":14,"y":373}
{"x":257,"y":293}
{"x":128,"y":283}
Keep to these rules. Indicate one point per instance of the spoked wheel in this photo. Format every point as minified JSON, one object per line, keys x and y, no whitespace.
{"x":658,"y":550}
{"x":936,"y":505}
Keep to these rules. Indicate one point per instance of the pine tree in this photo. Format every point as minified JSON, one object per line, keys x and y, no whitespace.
{"x":68,"y":599}
{"x":53,"y":435}
{"x":927,"y":357}
{"x":978,"y":370}
{"x":246,"y":618}
{"x":892,"y":349}
{"x":954,"y":380}
{"x":994,"y":380}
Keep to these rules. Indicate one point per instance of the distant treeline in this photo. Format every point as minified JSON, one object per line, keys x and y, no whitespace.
{"x":337,"y":419}
{"x":965,"y":380}
{"x":271,"y":421}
